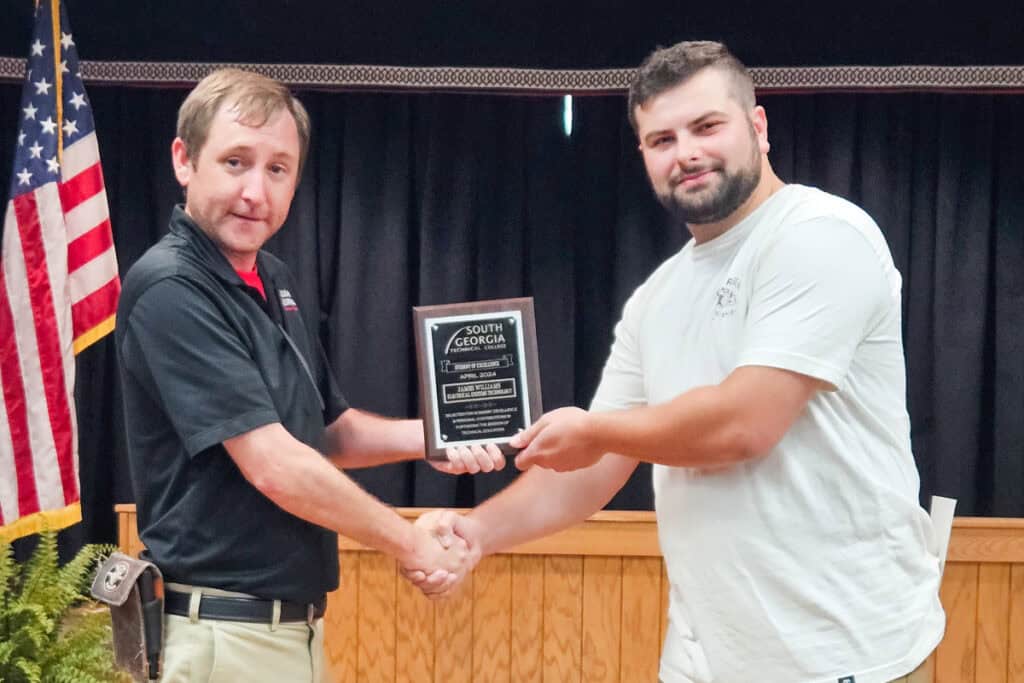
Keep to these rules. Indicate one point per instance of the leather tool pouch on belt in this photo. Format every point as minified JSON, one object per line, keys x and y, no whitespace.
{"x":134,"y":589}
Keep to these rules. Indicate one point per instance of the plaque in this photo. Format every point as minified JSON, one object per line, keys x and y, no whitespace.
{"x":478,"y":376}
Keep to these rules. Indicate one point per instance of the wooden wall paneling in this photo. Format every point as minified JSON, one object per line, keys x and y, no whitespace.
{"x":641,"y":618}
{"x":378,"y":575}
{"x":1015,"y":672}
{"x":341,"y":623}
{"x":123,"y":529}
{"x":986,"y":539}
{"x":602,"y":619}
{"x":527,"y":619}
{"x":665,"y":586}
{"x":453,"y":628}
{"x":563,"y":618}
{"x":379,"y":630}
{"x":415,"y":645}
{"x":993,"y":619}
{"x":127,"y":534}
{"x":492,"y":620}
{"x":955,"y":659}
{"x":610,"y":533}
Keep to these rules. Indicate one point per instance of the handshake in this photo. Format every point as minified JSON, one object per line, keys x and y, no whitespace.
{"x":448,"y":547}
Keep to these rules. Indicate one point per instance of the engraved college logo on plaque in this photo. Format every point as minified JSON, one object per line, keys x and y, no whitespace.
{"x":478,"y":372}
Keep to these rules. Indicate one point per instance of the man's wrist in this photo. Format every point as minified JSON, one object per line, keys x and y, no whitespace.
{"x":597,"y":430}
{"x":410,"y":554}
{"x":417,"y":442}
{"x":479,"y":543}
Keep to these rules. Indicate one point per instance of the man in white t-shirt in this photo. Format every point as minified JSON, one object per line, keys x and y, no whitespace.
{"x":761,"y":370}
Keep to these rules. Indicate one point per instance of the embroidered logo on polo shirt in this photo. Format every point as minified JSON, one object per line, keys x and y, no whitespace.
{"x":287,"y":302}
{"x":725,"y":298}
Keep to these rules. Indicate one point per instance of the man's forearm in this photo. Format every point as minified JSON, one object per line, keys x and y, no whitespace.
{"x":541,"y":502}
{"x":361,"y":439}
{"x":303,"y":483}
{"x":700,"y":428}
{"x":711,"y":426}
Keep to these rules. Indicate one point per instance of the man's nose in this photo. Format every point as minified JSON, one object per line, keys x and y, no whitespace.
{"x":688,"y":150}
{"x":254,"y":187}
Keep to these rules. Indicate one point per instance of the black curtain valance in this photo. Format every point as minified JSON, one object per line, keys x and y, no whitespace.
{"x":532,"y":34}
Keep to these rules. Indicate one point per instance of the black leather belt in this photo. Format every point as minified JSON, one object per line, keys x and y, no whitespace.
{"x":243,"y":609}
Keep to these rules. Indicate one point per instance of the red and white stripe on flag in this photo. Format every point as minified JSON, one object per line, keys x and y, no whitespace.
{"x":58,"y":287}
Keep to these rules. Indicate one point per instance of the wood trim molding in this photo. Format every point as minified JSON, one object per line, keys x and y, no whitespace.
{"x":619,"y":533}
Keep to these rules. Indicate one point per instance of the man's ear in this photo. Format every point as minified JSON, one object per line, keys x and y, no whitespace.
{"x":182,"y":164}
{"x":759,"y":120}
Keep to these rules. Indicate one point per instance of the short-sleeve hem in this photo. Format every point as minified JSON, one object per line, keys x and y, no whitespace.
{"x":804,"y":365}
{"x":236,"y":426}
{"x":332,"y":415}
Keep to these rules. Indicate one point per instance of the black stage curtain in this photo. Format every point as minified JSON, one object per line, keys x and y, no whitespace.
{"x":422,"y":199}
{"x":571,"y":34}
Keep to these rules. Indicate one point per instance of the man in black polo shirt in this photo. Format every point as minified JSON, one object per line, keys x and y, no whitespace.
{"x":231,"y":408}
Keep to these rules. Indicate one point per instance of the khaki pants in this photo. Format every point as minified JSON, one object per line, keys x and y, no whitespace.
{"x":915,"y":675}
{"x":214,"y":651}
{"x":231,"y":651}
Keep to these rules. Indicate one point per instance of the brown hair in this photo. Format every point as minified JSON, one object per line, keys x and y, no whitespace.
{"x":667,"y":67}
{"x":256,"y":97}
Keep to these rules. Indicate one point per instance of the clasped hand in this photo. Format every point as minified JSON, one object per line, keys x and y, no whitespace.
{"x":456,"y":540}
{"x":561,"y":440}
{"x":470,"y":459}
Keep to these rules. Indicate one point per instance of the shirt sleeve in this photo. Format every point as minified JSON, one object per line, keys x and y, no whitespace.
{"x":622,"y":380}
{"x":183,"y":350}
{"x":818,"y":290}
{"x":334,"y":401}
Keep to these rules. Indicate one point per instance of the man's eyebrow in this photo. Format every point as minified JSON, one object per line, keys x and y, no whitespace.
{"x":243,"y":147}
{"x":703,"y":117}
{"x":715,"y":113}
{"x":656,"y":134}
{"x":236,"y":148}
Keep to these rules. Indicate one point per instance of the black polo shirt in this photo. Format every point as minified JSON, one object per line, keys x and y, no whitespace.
{"x":204,"y":358}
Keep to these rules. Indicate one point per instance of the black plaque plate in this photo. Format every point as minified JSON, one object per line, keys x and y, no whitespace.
{"x":478,"y":375}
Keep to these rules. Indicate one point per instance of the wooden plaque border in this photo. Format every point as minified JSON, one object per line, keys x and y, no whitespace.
{"x":530,"y":359}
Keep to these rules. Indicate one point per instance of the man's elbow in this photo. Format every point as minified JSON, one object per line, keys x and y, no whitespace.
{"x":266,"y":480}
{"x":722,"y":447}
{"x":267,"y":475}
{"x":750,"y":442}
{"x":265,"y":456}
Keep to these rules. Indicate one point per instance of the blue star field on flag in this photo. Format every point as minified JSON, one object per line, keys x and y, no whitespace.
{"x":36,"y":160}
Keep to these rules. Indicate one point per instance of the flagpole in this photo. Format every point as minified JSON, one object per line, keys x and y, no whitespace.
{"x":58,"y":77}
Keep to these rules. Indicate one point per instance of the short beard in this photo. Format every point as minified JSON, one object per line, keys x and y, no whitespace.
{"x":719,"y":204}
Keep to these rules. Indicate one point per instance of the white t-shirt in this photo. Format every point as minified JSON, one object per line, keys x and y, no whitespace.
{"x":814,"y":562}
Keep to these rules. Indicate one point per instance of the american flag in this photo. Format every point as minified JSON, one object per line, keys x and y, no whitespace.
{"x":58,"y":283}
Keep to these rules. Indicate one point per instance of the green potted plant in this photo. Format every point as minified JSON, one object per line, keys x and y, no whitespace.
{"x":50,"y":629}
